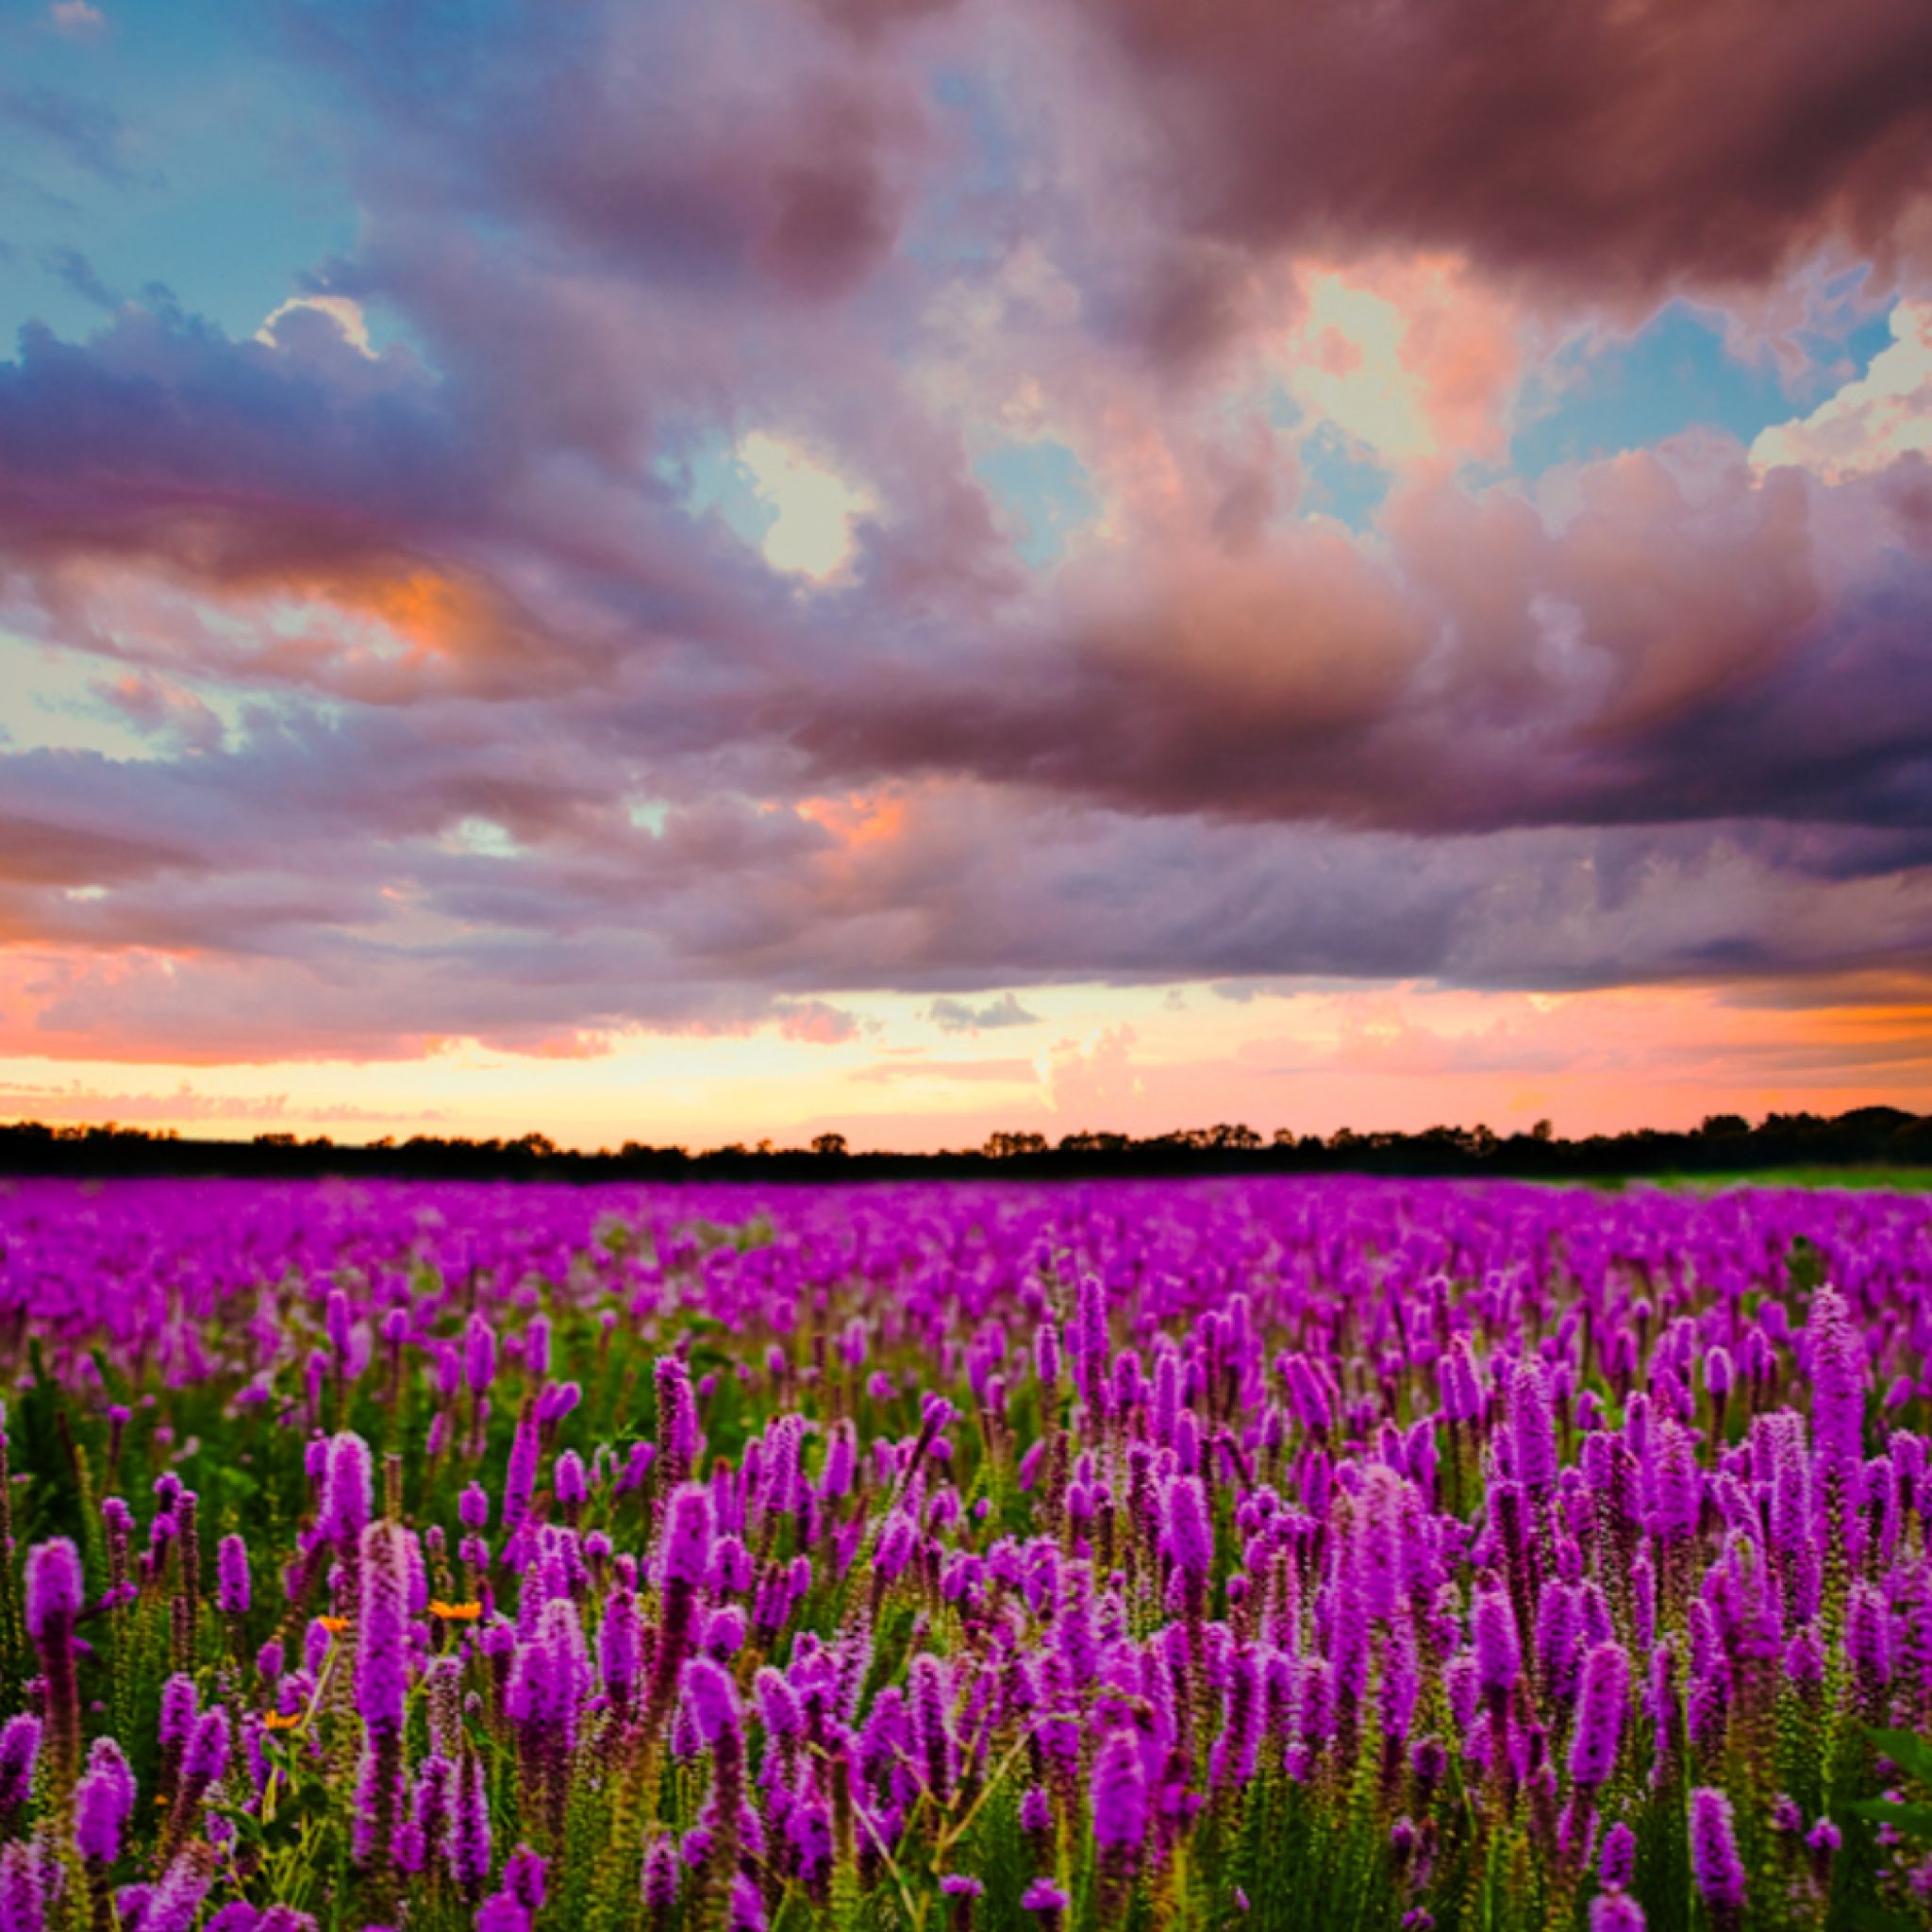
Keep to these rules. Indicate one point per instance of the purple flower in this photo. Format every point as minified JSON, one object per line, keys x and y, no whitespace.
{"x":1046,"y":1353}
{"x":346,"y":1488}
{"x":500,"y":1912}
{"x":173,"y":1903}
{"x":1190,"y":1530}
{"x":20,"y":1746}
{"x":467,"y":1847}
{"x":525,"y":1876}
{"x":23,"y":1889}
{"x":1714,"y":1862}
{"x":713,"y":1699}
{"x":102,"y":1801}
{"x":1616,"y":1864}
{"x":54,"y":1590}
{"x":621,"y":1646}
{"x":688,"y":1535}
{"x":1498,"y":1647}
{"x":1600,"y":1715}
{"x":1615,"y":1911}
{"x":661,"y":1874}
{"x":677,"y":1419}
{"x":179,"y":1704}
{"x":520,"y":1477}
{"x":382,"y":1628}
{"x":479,"y":1354}
{"x":232,"y":1576}
{"x":747,"y":1906}
{"x":1532,"y":1431}
{"x":1838,"y":1365}
{"x":1119,"y":1793}
{"x":206,"y":1756}
{"x":778,"y":1707}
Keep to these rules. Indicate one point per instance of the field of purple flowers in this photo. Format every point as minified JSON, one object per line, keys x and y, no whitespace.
{"x":1331,"y":1553}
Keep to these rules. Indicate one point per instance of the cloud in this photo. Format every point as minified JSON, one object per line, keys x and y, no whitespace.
{"x":74,"y":269}
{"x":958,"y":1016}
{"x":87,"y":135}
{"x":1871,"y":422}
{"x":455,"y":710}
{"x":1095,"y":1078}
{"x":347,"y":316}
{"x":813,"y":506}
{"x":184,"y":1105}
{"x":77,"y":19}
{"x":1600,"y":148}
{"x":815,"y":1022}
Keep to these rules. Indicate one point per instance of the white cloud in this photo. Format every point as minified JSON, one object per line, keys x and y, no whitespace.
{"x":1871,"y":422}
{"x":346,"y":315}
{"x":811,"y":535}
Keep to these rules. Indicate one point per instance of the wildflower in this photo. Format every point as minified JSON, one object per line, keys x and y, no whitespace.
{"x":1714,"y":1862}
{"x":1600,"y":1715}
{"x":1615,"y":1911}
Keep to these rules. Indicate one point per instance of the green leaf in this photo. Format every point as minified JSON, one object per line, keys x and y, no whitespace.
{"x":1916,"y":1818}
{"x":1869,"y":1917}
{"x":1907,"y":1750}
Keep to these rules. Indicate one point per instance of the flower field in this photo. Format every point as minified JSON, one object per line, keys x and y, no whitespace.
{"x":1332,"y":1554}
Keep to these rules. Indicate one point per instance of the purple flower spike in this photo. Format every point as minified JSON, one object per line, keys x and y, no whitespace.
{"x":23,"y":1889}
{"x":1120,"y":1793}
{"x":1714,"y":1862}
{"x":714,"y":1698}
{"x":382,"y":1629}
{"x":346,"y":1488}
{"x":1616,"y":1863}
{"x":1600,"y":1715}
{"x":20,"y":1746}
{"x":502,"y":1914}
{"x":661,"y":1874}
{"x":1190,"y":1531}
{"x":54,"y":1591}
{"x":1615,"y":1911}
{"x":102,"y":1801}
{"x":232,"y":1594}
{"x":479,"y":1354}
{"x":1838,"y":1365}
{"x":688,"y":1535}
{"x":468,"y":1845}
{"x":173,"y":1902}
{"x":1498,"y":1646}
{"x":525,"y":1878}
{"x":207,"y":1755}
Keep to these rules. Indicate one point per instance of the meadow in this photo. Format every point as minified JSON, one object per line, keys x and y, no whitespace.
{"x":1263,"y":1554}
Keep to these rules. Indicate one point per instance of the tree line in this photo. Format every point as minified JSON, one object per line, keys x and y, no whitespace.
{"x":1723,"y":1144}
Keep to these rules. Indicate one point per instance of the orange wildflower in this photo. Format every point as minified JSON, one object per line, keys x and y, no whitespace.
{"x":456,"y":1613}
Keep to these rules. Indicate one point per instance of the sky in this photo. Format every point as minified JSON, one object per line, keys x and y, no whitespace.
{"x":706,"y":573}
